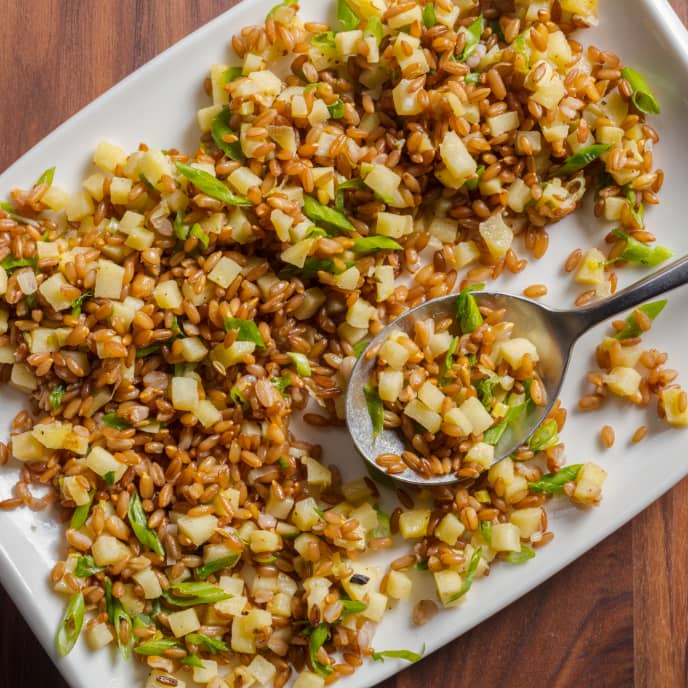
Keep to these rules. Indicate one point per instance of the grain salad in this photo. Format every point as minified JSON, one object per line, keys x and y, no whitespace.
{"x":453,"y":387}
{"x":171,"y":320}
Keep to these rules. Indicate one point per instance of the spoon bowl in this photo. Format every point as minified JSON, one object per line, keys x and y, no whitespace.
{"x":553,"y":332}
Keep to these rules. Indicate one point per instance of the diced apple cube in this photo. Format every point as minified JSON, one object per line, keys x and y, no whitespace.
{"x":497,"y":235}
{"x":304,"y":516}
{"x":393,"y":225}
{"x":168,"y":295}
{"x":466,"y":252}
{"x":307,"y":679}
{"x":478,"y":417}
{"x":481,"y":453}
{"x":108,"y":550}
{"x":513,"y":351}
{"x":449,"y":529}
{"x":184,"y":393}
{"x":198,"y":529}
{"x":149,"y":582}
{"x":225,"y":272}
{"x":398,"y":585}
{"x":98,"y":636}
{"x":183,"y":622}
{"x":55,"y":198}
{"x":383,"y":181}
{"x":262,"y":670}
{"x":528,"y":521}
{"x":25,"y":447}
{"x":506,"y":537}
{"x":590,"y":270}
{"x":419,"y":412}
{"x":205,"y":673}
{"x":431,"y":396}
{"x":390,"y":384}
{"x":360,"y":313}
{"x":51,"y":290}
{"x":459,"y":162}
{"x":109,"y":280}
{"x":414,"y":523}
{"x":394,"y":354}
{"x":448,"y":583}
{"x":108,"y":156}
{"x":671,"y":399}
{"x":623,"y":381}
{"x":589,"y":484}
{"x":102,"y":462}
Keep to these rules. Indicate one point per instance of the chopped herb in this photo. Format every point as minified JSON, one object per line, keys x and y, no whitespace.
{"x":360,"y":346}
{"x":326,"y":217}
{"x":637,"y":252}
{"x":157,"y":647}
{"x":470,"y":575}
{"x":301,"y":363}
{"x":78,"y":302}
{"x":546,"y":436}
{"x":284,"y":3}
{"x":421,"y":566}
{"x":374,"y":28}
{"x":70,"y":627}
{"x":467,"y":311}
{"x":10,"y":263}
{"x":359,"y":579}
{"x":283,"y":462}
{"x":346,"y":17}
{"x":281,"y":383}
{"x":399,"y":654}
{"x":211,"y":186}
{"x":56,"y":395}
{"x":232,"y":74}
{"x":110,"y":477}
{"x":80,"y":514}
{"x":139,"y":524}
{"x":146,"y":181}
{"x":320,"y":512}
{"x":219,"y":129}
{"x":473,"y":183}
{"x":582,"y":158}
{"x":197,"y":231}
{"x":337,"y":108}
{"x":521,"y":557}
{"x":189,"y":594}
{"x":310,"y":268}
{"x":323,"y":40}
{"x":181,"y":230}
{"x":486,"y":531}
{"x":47,"y":177}
{"x":217,"y":565}
{"x":31,"y":300}
{"x":192,"y":661}
{"x":353,"y":607}
{"x":237,"y":397}
{"x":384,"y":528}
{"x":117,"y":616}
{"x":553,"y":483}
{"x":473,"y":33}
{"x":516,"y":410}
{"x":86,"y":566}
{"x":247,"y":331}
{"x":639,"y":213}
{"x":429,"y":16}
{"x":318,"y":638}
{"x":112,"y":420}
{"x":485,"y":390}
{"x":448,"y":362}
{"x":604,"y":179}
{"x":212,"y":645}
{"x":632,"y":329}
{"x":373,"y":244}
{"x":339,"y":193}
{"x":642,"y":96}
{"x":148,"y":350}
{"x":375,"y":409}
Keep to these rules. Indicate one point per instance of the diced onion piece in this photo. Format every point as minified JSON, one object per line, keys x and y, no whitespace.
{"x":26,"y":279}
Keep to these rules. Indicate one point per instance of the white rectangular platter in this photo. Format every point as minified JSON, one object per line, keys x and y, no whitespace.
{"x":648,"y":36}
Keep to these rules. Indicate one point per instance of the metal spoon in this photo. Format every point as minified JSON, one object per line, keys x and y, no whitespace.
{"x":554,"y":332}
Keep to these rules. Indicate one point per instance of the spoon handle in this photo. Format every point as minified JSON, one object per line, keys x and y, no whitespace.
{"x":670,"y":277}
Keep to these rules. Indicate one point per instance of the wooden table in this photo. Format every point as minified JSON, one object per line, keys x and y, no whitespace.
{"x":617,"y":617}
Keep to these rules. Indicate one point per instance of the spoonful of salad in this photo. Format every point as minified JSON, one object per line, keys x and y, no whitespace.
{"x":458,"y":383}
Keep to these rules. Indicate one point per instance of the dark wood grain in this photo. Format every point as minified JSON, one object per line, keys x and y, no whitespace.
{"x":616,"y":618}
